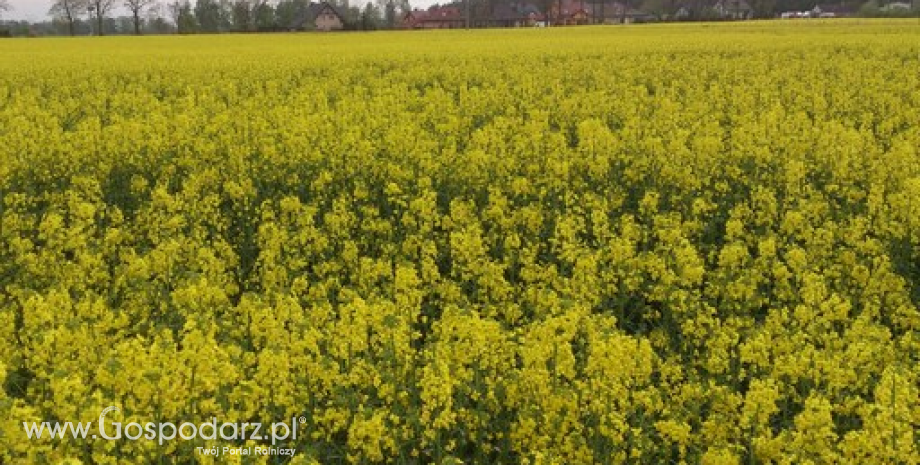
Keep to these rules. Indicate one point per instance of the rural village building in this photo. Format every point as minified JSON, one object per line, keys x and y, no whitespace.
{"x":830,"y":10}
{"x":608,"y":12}
{"x":436,"y":17}
{"x":560,"y":13}
{"x":318,"y":17}
{"x":734,"y":9}
{"x":568,"y":13}
{"x":517,"y":14}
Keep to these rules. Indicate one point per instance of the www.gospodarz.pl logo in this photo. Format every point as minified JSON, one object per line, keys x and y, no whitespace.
{"x":167,"y":431}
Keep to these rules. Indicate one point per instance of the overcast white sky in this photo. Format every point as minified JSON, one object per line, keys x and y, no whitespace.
{"x":36,"y":10}
{"x":27,"y":9}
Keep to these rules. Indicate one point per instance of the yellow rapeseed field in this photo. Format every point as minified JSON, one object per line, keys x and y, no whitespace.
{"x":642,"y":244}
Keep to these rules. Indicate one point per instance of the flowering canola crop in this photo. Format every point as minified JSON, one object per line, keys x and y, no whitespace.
{"x":667,"y":244}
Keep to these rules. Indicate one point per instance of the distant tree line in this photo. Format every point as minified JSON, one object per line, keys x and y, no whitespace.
{"x":95,"y":17}
{"x":214,"y":16}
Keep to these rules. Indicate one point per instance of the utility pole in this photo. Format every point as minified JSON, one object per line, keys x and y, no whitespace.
{"x":467,"y":4}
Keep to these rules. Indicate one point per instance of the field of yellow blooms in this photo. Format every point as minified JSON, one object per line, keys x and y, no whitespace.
{"x":643,"y":244}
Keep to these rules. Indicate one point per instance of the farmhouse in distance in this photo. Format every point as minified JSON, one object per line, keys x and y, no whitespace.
{"x":318,"y":17}
{"x":541,"y":13}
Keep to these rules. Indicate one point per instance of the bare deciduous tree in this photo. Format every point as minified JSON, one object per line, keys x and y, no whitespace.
{"x":5,"y":6}
{"x":137,"y":7}
{"x":101,"y":9}
{"x":180,"y":11}
{"x":174,"y":10}
{"x":68,"y":11}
